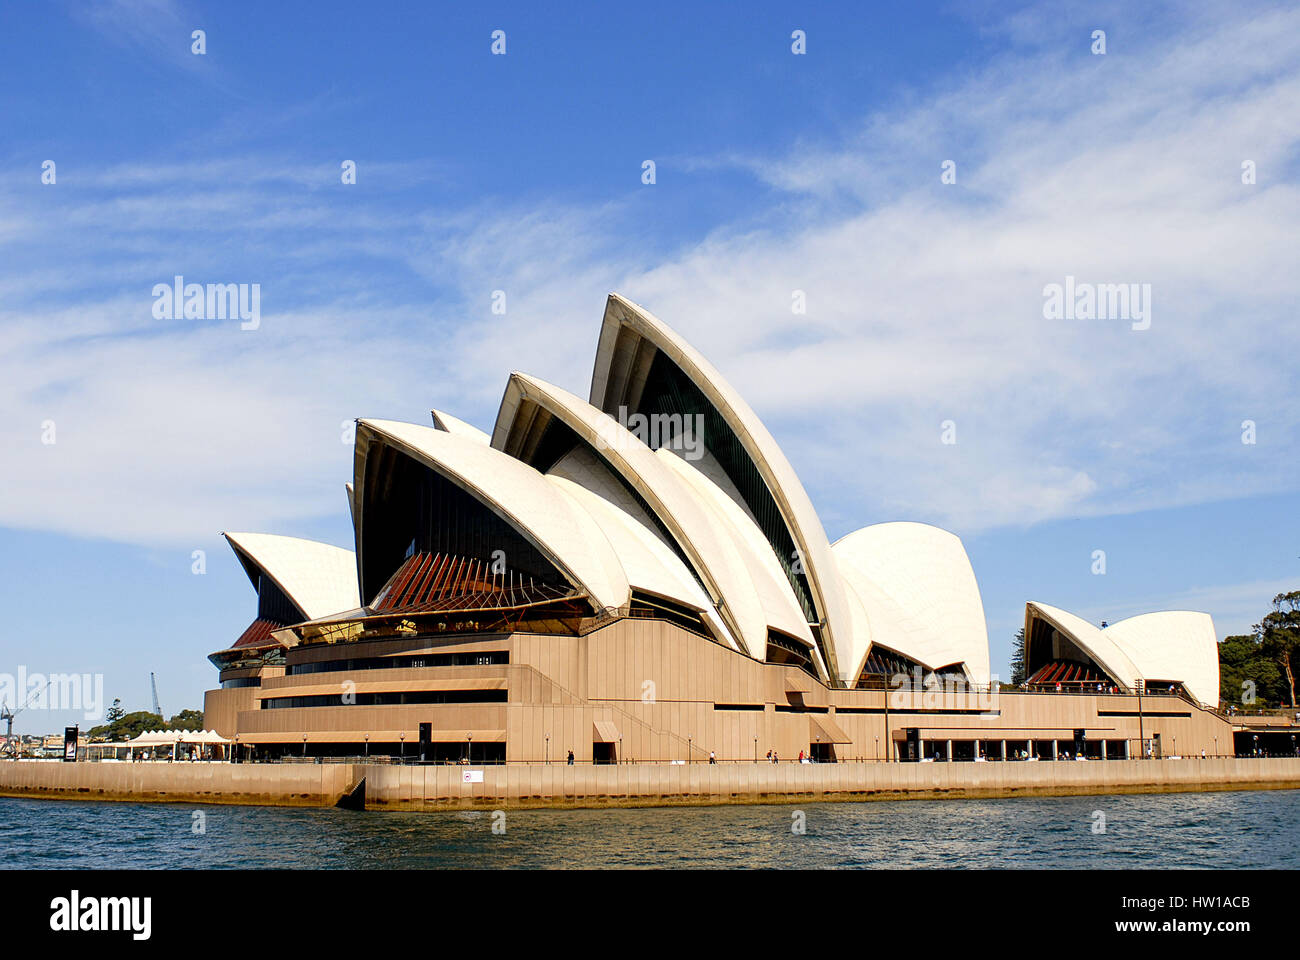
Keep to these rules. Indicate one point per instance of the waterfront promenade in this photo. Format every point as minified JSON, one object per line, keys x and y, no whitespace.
{"x":380,"y":786}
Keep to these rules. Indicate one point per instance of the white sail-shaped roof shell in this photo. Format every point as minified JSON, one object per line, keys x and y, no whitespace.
{"x":1096,"y":643}
{"x":782,"y":482}
{"x":780,"y":608}
{"x":919,"y":593}
{"x":634,"y":534}
{"x":650,"y":565}
{"x":695,"y":528}
{"x":855,"y":643}
{"x":1172,"y":645}
{"x":318,"y":578}
{"x":449,"y":424}
{"x":566,"y":534}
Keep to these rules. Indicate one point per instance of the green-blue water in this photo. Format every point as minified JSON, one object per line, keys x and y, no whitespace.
{"x":1213,"y":830}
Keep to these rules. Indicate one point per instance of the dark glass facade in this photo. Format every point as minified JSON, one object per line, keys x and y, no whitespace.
{"x":668,"y":391}
{"x":387,"y":699}
{"x":477,"y":659}
{"x":411,"y":508}
{"x":273,"y":605}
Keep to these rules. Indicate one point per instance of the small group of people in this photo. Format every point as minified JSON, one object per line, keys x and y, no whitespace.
{"x":804,"y":757}
{"x":1061,"y":687}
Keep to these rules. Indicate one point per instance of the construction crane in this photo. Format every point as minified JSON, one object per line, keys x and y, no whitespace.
{"x":7,"y":716}
{"x":9,"y":747}
{"x":153,"y":684}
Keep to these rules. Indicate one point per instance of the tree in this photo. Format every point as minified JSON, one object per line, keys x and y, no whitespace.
{"x":1243,"y":667}
{"x":1018,"y":658}
{"x":127,"y":726}
{"x":115,"y":712}
{"x":1279,"y":634}
{"x":187,"y":720}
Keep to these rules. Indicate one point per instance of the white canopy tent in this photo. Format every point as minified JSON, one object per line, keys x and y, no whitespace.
{"x":158,"y":738}
{"x":205,"y":743}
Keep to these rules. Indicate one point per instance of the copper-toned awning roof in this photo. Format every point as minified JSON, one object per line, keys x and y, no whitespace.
{"x":436,"y":581}
{"x":1068,"y":672}
{"x":258,"y":634}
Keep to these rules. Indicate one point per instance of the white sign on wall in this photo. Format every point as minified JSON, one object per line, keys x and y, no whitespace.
{"x":472,"y":776}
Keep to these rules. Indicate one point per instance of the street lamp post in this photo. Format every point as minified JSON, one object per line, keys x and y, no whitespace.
{"x":548,"y":748}
{"x":469,"y":748}
{"x":402,"y":738}
{"x":367,"y":744}
{"x":1142,"y":737}
{"x":688,"y":750}
{"x":304,"y":745}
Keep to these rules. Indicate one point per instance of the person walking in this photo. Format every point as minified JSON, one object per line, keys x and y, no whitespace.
{"x":570,"y":760}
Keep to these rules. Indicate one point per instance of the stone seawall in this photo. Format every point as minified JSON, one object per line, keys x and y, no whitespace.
{"x":256,"y":784}
{"x":393,"y":787}
{"x":556,"y":785}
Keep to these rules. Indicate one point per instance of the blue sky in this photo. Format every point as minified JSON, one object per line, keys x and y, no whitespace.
{"x":522,"y":173}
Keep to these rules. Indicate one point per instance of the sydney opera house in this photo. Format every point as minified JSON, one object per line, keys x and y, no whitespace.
{"x":640,"y":576}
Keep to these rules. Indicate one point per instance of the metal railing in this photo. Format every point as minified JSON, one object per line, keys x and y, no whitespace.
{"x":387,"y":760}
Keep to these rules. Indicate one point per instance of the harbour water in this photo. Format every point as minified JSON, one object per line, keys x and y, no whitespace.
{"x":1244,"y":830}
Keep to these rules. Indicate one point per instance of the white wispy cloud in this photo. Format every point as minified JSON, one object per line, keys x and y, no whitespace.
{"x":924,"y":304}
{"x":158,"y":30}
